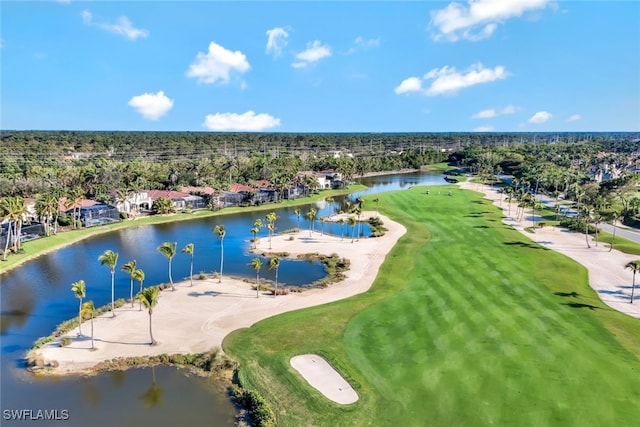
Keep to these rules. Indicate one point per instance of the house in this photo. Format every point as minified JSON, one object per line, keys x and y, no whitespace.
{"x":97,"y":214}
{"x":133,"y":203}
{"x":180,"y":200}
{"x":238,"y":194}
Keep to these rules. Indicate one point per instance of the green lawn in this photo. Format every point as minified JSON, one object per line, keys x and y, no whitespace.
{"x":469,"y":323}
{"x":38,"y":247}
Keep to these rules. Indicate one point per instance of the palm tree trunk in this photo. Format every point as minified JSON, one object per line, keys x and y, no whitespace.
{"x":191,"y":271}
{"x":586,"y":232}
{"x":633,"y":285}
{"x":131,"y":293}
{"x":113,"y":313}
{"x":153,"y":341}
{"x":257,"y":285}
{"x":80,"y":319}
{"x":140,"y":302}
{"x":6,"y":245}
{"x":276,"y":294}
{"x":171,"y":278}
{"x":221,"y":260}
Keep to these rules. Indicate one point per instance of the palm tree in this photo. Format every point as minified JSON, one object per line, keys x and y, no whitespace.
{"x":377,"y":202}
{"x":149,"y":298}
{"x":188,"y":249}
{"x":130,"y":268}
{"x":80,"y":292}
{"x":635,"y":267}
{"x":88,"y":309}
{"x":254,"y":231}
{"x":110,"y":259}
{"x":271,"y":218}
{"x":298,"y":212}
{"x":311,"y":216}
{"x":613,"y":217}
{"x":341,"y":222}
{"x":323,"y":219}
{"x":221,"y":232}
{"x":256,"y":264}
{"x":139,"y":276}
{"x":351,"y":220}
{"x":274,"y":263}
{"x":168,"y":250}
{"x":330,"y":200}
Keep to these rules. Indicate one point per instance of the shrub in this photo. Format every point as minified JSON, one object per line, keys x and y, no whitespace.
{"x":202,"y":275}
{"x":65,"y":341}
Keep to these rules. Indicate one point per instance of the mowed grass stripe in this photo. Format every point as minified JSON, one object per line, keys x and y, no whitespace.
{"x":462,"y":327}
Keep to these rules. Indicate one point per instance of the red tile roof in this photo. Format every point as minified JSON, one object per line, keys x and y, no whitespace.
{"x":237,"y":188}
{"x":205,"y":190}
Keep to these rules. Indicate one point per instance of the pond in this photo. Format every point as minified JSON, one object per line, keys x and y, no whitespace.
{"x":36,"y":297}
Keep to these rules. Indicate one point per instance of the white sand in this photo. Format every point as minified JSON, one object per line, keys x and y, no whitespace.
{"x":320,"y":375}
{"x":196,"y":319}
{"x":607,"y":275}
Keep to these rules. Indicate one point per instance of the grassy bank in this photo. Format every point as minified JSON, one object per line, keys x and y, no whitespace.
{"x":35,"y":248}
{"x":467,"y":323}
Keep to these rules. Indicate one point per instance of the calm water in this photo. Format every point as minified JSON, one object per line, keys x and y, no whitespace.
{"x":36,"y":297}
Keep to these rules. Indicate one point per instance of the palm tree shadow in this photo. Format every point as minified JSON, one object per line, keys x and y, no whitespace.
{"x":526,"y":245}
{"x":580,"y":305}
{"x":573,"y":294}
{"x":217,"y":294}
{"x":121,"y":342}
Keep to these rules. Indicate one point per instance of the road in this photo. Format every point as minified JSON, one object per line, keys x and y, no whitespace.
{"x":623,"y":232}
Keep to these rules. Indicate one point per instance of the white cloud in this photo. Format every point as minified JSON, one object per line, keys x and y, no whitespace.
{"x":447,"y":80}
{"x":490,"y":113}
{"x":540,"y":117}
{"x":479,"y":19}
{"x":152,"y":106}
{"x":123,"y":27}
{"x":276,"y":41}
{"x":360,"y":43}
{"x":315,"y":51}
{"x":485,"y":114}
{"x":484,"y":129}
{"x":217,"y":64}
{"x":574,"y":118}
{"x":509,"y":109}
{"x":248,"y":121}
{"x":412,"y":84}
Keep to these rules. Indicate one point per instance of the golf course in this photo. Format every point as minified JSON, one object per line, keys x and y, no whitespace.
{"x":469,"y":323}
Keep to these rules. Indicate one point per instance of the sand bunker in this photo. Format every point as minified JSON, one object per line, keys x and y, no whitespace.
{"x":321,"y":376}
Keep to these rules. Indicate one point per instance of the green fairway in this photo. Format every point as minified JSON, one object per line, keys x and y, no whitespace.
{"x":469,"y":323}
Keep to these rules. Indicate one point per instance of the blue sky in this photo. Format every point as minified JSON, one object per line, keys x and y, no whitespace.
{"x":484,"y":65}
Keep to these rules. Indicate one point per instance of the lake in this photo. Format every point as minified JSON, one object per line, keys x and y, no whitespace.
{"x":36,"y":297}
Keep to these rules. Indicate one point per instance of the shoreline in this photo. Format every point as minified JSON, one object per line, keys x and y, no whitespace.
{"x":607,"y":276}
{"x":209,"y":311}
{"x":157,"y":219}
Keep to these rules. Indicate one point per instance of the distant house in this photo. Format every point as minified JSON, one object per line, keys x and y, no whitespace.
{"x":97,"y":214}
{"x":180,"y":200}
{"x":238,"y":194}
{"x":133,"y":203}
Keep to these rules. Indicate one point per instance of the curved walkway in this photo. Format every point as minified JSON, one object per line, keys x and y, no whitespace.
{"x":607,"y":275}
